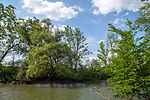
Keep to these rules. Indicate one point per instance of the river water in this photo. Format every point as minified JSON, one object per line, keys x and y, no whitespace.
{"x":76,"y":91}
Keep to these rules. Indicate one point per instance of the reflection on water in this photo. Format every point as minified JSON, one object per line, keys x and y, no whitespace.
{"x":76,"y":91}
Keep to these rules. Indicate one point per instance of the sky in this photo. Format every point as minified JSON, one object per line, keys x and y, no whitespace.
{"x":90,"y":16}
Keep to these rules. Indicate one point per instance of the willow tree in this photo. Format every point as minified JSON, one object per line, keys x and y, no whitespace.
{"x":47,"y":51}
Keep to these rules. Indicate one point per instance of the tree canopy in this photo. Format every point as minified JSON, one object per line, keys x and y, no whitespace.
{"x":129,"y":68}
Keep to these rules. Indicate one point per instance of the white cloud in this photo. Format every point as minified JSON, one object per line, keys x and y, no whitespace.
{"x":107,"y":6}
{"x":117,"y":21}
{"x":91,"y":42}
{"x":62,"y":27}
{"x":27,"y":17}
{"x":127,"y":13}
{"x":59,"y":27}
{"x":93,"y":21}
{"x":95,"y":52}
{"x":96,"y":12}
{"x":92,"y":58}
{"x":53,"y":10}
{"x":78,"y":8}
{"x":100,"y":41}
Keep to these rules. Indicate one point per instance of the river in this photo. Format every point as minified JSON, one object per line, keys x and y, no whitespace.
{"x":76,"y":91}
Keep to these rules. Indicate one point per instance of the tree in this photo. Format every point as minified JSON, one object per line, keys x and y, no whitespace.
{"x":11,"y":39}
{"x":48,"y":51}
{"x":76,"y":40}
{"x":143,"y":21}
{"x":7,"y":30}
{"x":123,"y":67}
{"x":129,"y":69}
{"x":143,"y":25}
{"x":105,"y":51}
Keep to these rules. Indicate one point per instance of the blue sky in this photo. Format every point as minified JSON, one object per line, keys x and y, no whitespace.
{"x":91,"y":16}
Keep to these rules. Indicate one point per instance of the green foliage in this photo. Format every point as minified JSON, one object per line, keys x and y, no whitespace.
{"x":143,"y":22}
{"x":102,"y":73}
{"x":103,"y":56}
{"x":11,"y":35}
{"x":1,"y":70}
{"x":44,"y":60}
{"x":105,"y":51}
{"x":64,"y":73}
{"x":123,"y":66}
{"x":128,"y":70}
{"x":129,"y":64}
{"x":7,"y":29}
{"x":22,"y":71}
{"x":8,"y":73}
{"x":90,"y":72}
{"x":76,"y":40}
{"x":48,"y":53}
{"x":83,"y":74}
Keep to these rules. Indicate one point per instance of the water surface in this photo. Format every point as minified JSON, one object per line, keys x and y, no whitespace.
{"x":76,"y":91}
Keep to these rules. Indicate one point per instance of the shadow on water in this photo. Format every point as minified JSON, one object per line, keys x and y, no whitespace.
{"x":75,"y":91}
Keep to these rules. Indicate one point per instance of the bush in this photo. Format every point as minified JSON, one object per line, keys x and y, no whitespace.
{"x":22,"y":71}
{"x":8,"y":73}
{"x":82,"y":74}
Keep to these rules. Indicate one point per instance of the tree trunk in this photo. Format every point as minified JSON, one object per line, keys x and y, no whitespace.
{"x":4,"y":55}
{"x":52,"y":72}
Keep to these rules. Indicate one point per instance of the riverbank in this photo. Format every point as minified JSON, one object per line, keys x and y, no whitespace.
{"x":49,"y":82}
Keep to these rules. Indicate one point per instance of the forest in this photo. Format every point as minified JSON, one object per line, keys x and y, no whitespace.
{"x":48,"y":53}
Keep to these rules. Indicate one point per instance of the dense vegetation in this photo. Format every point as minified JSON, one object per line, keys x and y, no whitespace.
{"x":129,"y":64}
{"x":51,"y":54}
{"x":47,"y":53}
